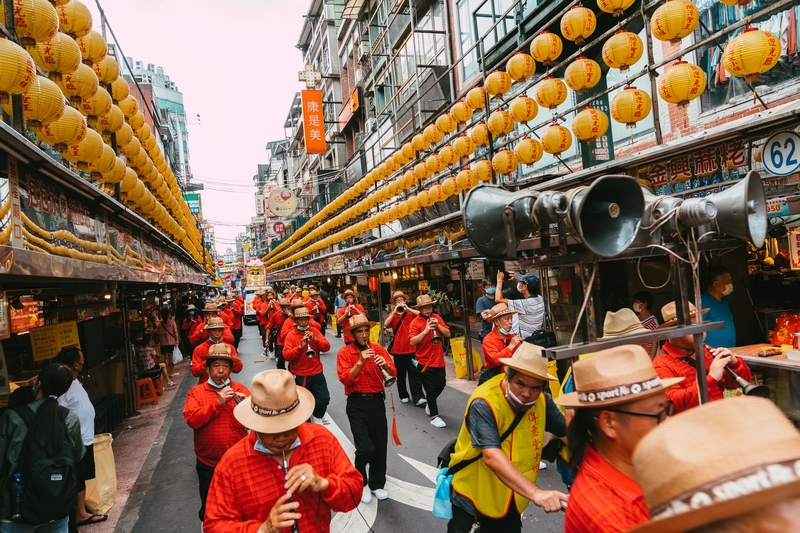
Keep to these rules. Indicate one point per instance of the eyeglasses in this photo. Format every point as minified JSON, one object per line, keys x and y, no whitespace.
{"x":659,"y":416}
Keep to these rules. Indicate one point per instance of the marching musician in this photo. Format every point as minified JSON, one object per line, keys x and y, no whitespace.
{"x":427,"y":331}
{"x":400,"y":321}
{"x":276,"y":321}
{"x":345,"y":313}
{"x":302,"y":348}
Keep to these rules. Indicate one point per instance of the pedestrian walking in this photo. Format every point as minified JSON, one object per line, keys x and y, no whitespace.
{"x":426,"y":333}
{"x":302,"y":348}
{"x":168,"y":339}
{"x":400,"y":321}
{"x":338,"y":303}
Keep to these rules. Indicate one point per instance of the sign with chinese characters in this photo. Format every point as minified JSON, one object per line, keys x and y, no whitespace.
{"x":794,"y":246}
{"x":313,"y":122}
{"x":26,"y":318}
{"x":282,"y":202}
{"x":348,"y":109}
{"x":47,"y":341}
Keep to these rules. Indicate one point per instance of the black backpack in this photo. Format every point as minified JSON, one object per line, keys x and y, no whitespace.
{"x":51,"y":483}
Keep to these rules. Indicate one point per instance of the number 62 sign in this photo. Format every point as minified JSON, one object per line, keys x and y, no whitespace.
{"x":781,"y":153}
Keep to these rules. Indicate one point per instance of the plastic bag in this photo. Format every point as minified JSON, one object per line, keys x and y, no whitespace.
{"x":374,"y":333}
{"x":460,"y":359}
{"x":177,"y":356}
{"x":102,"y":490}
{"x":785,"y":328}
{"x":442,"y":507}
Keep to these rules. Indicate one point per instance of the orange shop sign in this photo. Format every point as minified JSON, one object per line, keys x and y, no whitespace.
{"x":313,"y":122}
{"x":348,"y":109}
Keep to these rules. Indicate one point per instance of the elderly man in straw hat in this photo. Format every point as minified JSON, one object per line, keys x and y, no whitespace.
{"x":497,"y":475}
{"x":346,"y":312}
{"x":400,"y":321}
{"x":359,"y":367}
{"x":315,"y":305}
{"x":677,"y":358}
{"x":727,"y":487}
{"x":499,"y":343}
{"x":618,"y":399}
{"x":191,"y":321}
{"x":209,"y":412}
{"x":237,"y":310}
{"x":302,"y":348}
{"x":200,"y":334}
{"x":426,"y":332}
{"x":274,"y":326}
{"x":215,"y":329}
{"x":286,"y":471}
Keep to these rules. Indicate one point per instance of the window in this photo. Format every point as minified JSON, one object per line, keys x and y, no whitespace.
{"x":475,"y":18}
{"x":621,"y":133}
{"x":430,"y":47}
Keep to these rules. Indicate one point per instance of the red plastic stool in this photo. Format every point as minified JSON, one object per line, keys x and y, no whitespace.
{"x":157,"y":385}
{"x":145,"y":392}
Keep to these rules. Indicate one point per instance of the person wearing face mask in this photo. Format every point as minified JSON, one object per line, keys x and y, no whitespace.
{"x":209,"y":412}
{"x":483,"y":305}
{"x":301,"y":349}
{"x":530,"y":309}
{"x":215,"y":329}
{"x":499,"y":343}
{"x":642,"y":306}
{"x":426,"y":333}
{"x":496,"y":488}
{"x":715,"y":299}
{"x":400,"y":321}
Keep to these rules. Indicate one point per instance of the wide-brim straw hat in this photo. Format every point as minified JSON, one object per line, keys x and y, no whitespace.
{"x":669,"y":314}
{"x":617,"y":375}
{"x":623,"y":322}
{"x":191,"y":307}
{"x":357,"y":321}
{"x":313,"y":292}
{"x":528,"y":359}
{"x":214,"y":323}
{"x":400,"y":294}
{"x":348,"y":292}
{"x":424,"y":300}
{"x":301,"y":312}
{"x":211,"y":307}
{"x":297,"y":303}
{"x":687,"y":486}
{"x":276,"y":404}
{"x":499,"y":310}
{"x":271,"y":292}
{"x":221,"y":351}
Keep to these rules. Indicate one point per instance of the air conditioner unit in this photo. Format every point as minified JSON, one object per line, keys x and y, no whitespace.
{"x":363,"y":51}
{"x":359,"y":77}
{"x":295,"y":153}
{"x":371,"y":124}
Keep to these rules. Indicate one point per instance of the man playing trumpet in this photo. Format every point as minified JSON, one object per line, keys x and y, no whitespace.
{"x":302,"y":347}
{"x":427,"y":332}
{"x":400,"y":321}
{"x":362,"y":367}
{"x":345,"y":314}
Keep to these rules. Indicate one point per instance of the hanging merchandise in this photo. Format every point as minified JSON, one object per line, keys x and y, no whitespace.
{"x":616,"y":7}
{"x":622,"y":50}
{"x":674,"y":20}
{"x":551,"y":93}
{"x":520,"y":67}
{"x":556,"y":139}
{"x":500,"y":122}
{"x":546,"y":47}
{"x":480,"y":134}
{"x":681,"y":82}
{"x":498,"y":83}
{"x":582,"y":74}
{"x":461,"y":111}
{"x":528,"y":151}
{"x":476,"y":98}
{"x":630,"y":106}
{"x":523,"y":108}
{"x":578,"y":24}
{"x":504,"y":162}
{"x":751,"y":53}
{"x":590,"y":124}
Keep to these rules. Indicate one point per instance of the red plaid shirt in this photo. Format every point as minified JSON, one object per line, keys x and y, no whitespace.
{"x":215,"y":428}
{"x":401,"y":325}
{"x":199,"y":369}
{"x":343,"y":319}
{"x":311,"y":306}
{"x":288,"y":325}
{"x":603,"y":499}
{"x":428,"y":353}
{"x":495,"y":347}
{"x":247,"y":484}
{"x":295,"y":353}
{"x":370,"y":378}
{"x":199,"y":335}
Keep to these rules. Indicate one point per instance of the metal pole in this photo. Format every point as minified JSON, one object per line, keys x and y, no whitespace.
{"x":380,"y":308}
{"x":683,"y":295}
{"x":462,"y":269}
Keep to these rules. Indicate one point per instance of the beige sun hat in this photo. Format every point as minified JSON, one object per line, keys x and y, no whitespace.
{"x":687,"y":486}
{"x":356,"y":321}
{"x":400,"y":294}
{"x":276,"y":404}
{"x":623,"y":322}
{"x":348,"y":292}
{"x":297,"y":303}
{"x":528,"y":359}
{"x":215,"y":322}
{"x":617,"y":375}
{"x":670,"y":314}
{"x":424,"y":300}
{"x":211,"y":307}
{"x":220,"y":351}
{"x":285,"y":302}
{"x":499,"y":310}
{"x":302,"y":312}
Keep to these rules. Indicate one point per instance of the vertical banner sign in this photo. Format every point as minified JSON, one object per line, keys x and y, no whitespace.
{"x":313,"y":122}
{"x":16,"y":211}
{"x":794,"y":246}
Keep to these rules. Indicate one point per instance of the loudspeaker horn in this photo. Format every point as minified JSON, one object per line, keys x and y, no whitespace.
{"x":691,"y":213}
{"x":607,"y":214}
{"x":742,"y":210}
{"x":495,"y":220}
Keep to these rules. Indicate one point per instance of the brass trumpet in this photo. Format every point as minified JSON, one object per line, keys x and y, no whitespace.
{"x":436,"y":339}
{"x":388,"y":379}
{"x":749,"y":389}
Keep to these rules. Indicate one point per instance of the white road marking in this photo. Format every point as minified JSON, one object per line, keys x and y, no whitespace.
{"x":426,"y":470}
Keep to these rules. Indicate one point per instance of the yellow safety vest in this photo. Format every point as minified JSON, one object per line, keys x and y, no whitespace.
{"x":524,"y":447}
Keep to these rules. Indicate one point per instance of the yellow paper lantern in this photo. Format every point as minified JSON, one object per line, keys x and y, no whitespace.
{"x":143,"y":133}
{"x":17,"y":70}
{"x":102,"y":164}
{"x":41,"y":102}
{"x":674,"y":20}
{"x":132,"y":148}
{"x":528,"y":151}
{"x":590,"y":124}
{"x":420,"y":142}
{"x":480,"y":134}
{"x":582,"y":74}
{"x":402,"y":209}
{"x":622,"y":50}
{"x":399,"y":159}
{"x":136,"y":121}
{"x":464,"y":145}
{"x":433,"y":134}
{"x":35,"y":21}
{"x":93,"y":47}
{"x":616,"y":7}
{"x":522,"y":109}
{"x":461,"y":111}
{"x":58,"y":56}
{"x":500,"y":122}
{"x":96,"y":105}
{"x":391,"y":189}
{"x":413,"y":204}
{"x":751,"y":53}
{"x":556,"y":139}
{"x":129,"y":105}
{"x":74,"y":18}
{"x":88,"y":150}
{"x":424,"y":198}
{"x":69,"y":128}
{"x":578,"y":24}
{"x":551,"y":93}
{"x":466,"y":179}
{"x":78,"y":85}
{"x":504,"y":162}
{"x":119,"y":89}
{"x":735,"y":2}
{"x":448,"y":155}
{"x":137,"y":191}
{"x":435,"y":163}
{"x":450,"y":187}
{"x":476,"y":98}
{"x":379,"y":172}
{"x":436,"y":194}
{"x":107,"y":69}
{"x":630,"y":106}
{"x":369,"y":179}
{"x":521,"y":66}
{"x":138,"y":161}
{"x":388,"y":167}
{"x":498,"y":83}
{"x":681,"y":82}
{"x":410,"y":179}
{"x":116,"y":174}
{"x":421,"y":171}
{"x":408,"y":151}
{"x":546,"y":47}
{"x":124,"y":136}
{"x":483,"y":170}
{"x":446,"y":123}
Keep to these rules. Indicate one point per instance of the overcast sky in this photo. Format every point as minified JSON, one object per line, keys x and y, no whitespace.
{"x":236,"y":64}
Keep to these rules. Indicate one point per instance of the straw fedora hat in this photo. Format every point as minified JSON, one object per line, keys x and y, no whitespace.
{"x":270,"y":291}
{"x":276,"y":404}
{"x":313,"y":292}
{"x":424,"y":300}
{"x":191,"y":307}
{"x":670,"y":314}
{"x":348,"y":292}
{"x":726,"y":478}
{"x":211,"y":307}
{"x":285,"y":302}
{"x":357,"y":321}
{"x":301,"y":312}
{"x":399,"y":294}
{"x":499,"y":310}
{"x":623,"y":322}
{"x":528,"y":359}
{"x":618,"y":375}
{"x":220,"y":351}
{"x":297,"y":303}
{"x":214,"y":322}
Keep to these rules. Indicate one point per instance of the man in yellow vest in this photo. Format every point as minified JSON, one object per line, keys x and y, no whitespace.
{"x":496,"y":488}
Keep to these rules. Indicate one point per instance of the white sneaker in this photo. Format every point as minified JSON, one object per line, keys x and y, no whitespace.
{"x":380,"y":494}
{"x":438,"y":423}
{"x":366,"y":495}
{"x":404,"y":400}
{"x":427,"y":410}
{"x":542,"y":465}
{"x":315,"y":420}
{"x":421,"y":402}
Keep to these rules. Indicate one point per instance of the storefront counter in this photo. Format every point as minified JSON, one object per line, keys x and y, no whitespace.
{"x":778,"y":372}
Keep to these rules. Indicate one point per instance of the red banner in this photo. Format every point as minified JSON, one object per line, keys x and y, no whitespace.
{"x":313,"y":122}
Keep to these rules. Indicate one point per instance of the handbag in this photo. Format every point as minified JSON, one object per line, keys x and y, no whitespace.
{"x":177,"y":356}
{"x":546,"y":338}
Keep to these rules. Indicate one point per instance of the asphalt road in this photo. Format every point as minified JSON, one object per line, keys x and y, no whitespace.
{"x":169,"y":499}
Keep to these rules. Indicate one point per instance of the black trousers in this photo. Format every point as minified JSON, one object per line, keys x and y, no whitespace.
{"x":434,"y":381}
{"x":237,"y":336}
{"x":323,"y":321}
{"x":262,"y":328}
{"x":281,"y":362}
{"x":370,"y":437}
{"x":487,"y":374}
{"x":404,"y":367}
{"x":462,"y":522}
{"x":318,"y":386}
{"x":204,"y":475}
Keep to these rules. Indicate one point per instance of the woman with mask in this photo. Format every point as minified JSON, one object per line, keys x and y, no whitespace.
{"x":499,"y":343}
{"x":483,"y":305}
{"x":715,"y":299}
{"x":642,"y":305}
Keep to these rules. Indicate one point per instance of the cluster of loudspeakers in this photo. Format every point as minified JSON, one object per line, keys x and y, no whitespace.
{"x":611,"y":215}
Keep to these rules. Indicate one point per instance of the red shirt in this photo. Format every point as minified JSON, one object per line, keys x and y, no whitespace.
{"x":200,"y":335}
{"x":192,"y":327}
{"x":227,"y":316}
{"x":275,"y":323}
{"x":236,"y":312}
{"x":247,"y":484}
{"x":288,"y":325}
{"x":495,"y":347}
{"x":199,"y":369}
{"x":603,"y":499}
{"x":215,"y":427}
{"x":669,"y":363}
{"x":311,"y":306}
{"x":370,"y":377}
{"x":295,"y":353}
{"x":343,"y":319}
{"x":401,"y":325}
{"x":428,"y":353}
